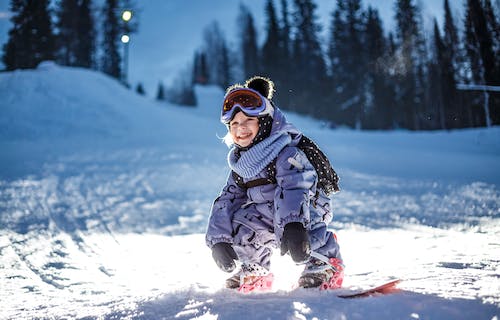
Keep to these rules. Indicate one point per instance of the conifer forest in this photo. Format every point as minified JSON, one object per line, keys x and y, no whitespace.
{"x":360,"y":75}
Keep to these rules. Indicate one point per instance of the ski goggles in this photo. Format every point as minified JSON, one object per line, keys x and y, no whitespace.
{"x":249,"y":101}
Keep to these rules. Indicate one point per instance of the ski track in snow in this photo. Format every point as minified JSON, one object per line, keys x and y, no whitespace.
{"x":113,"y":236}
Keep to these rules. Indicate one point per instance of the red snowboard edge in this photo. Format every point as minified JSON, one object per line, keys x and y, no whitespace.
{"x":385,"y":288}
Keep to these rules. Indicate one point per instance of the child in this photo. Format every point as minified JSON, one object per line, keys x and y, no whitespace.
{"x":272,"y":198}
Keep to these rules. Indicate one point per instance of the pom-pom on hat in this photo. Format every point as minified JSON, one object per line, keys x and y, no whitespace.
{"x":262,"y":85}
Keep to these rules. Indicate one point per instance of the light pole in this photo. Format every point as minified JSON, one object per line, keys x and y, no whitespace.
{"x":126,"y":16}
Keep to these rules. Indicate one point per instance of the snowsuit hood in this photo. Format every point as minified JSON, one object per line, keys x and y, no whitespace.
{"x":280,"y":124}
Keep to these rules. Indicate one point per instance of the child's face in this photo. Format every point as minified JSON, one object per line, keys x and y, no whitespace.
{"x":243,"y":129}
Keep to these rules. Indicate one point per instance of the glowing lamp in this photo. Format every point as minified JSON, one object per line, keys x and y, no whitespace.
{"x":126,"y":15}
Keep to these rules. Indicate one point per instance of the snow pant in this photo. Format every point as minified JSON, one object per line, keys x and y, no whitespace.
{"x":254,"y":237}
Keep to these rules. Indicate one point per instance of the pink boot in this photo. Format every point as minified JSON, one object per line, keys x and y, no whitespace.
{"x":251,"y":278}
{"x":335,"y":281}
{"x":322,"y":275}
{"x":256,"y":283}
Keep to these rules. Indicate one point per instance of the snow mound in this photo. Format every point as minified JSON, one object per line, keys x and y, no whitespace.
{"x":60,"y":103}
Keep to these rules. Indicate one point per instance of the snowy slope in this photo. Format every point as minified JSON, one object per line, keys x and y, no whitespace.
{"x":104,"y":197}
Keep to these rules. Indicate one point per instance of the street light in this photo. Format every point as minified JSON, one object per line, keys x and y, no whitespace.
{"x":126,"y":17}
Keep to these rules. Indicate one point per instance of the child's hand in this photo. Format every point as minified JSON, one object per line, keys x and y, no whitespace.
{"x":296,"y":240}
{"x":224,"y":255}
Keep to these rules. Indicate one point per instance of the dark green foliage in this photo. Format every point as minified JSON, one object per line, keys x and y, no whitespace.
{"x":362,"y":77}
{"x":483,"y":58}
{"x":365,"y":79}
{"x":219,"y":59}
{"x":248,"y":45}
{"x":411,"y":50}
{"x":275,"y":52}
{"x":181,"y":92}
{"x":111,"y":59}
{"x":348,"y":60}
{"x":160,"y":94}
{"x":308,"y":76}
{"x":185,"y":96}
{"x":378,"y":84}
{"x":140,"y":89}
{"x":76,"y":33}
{"x":31,"y":39}
{"x":200,"y":69}
{"x":272,"y":50}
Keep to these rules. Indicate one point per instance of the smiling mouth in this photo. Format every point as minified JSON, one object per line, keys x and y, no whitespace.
{"x":244,"y":136}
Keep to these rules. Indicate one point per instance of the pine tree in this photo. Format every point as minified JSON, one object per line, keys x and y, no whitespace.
{"x":271,"y":50}
{"x":248,"y":46}
{"x":273,"y":57}
{"x":76,"y":36}
{"x":31,"y":39}
{"x":481,"y":56}
{"x":225,"y":78}
{"x":309,"y":77}
{"x":218,"y":57}
{"x":187,"y":96}
{"x":378,"y":89}
{"x":285,"y":29}
{"x":67,"y":39}
{"x":494,"y":30}
{"x":482,"y":36}
{"x":196,"y":67}
{"x":111,"y":59}
{"x":451,"y":60}
{"x":436,"y":113}
{"x":348,"y":61}
{"x":473,"y":73}
{"x":160,"y":94}
{"x":284,"y":81}
{"x":140,"y":89}
{"x":451,"y":40}
{"x":86,"y":34}
{"x":411,"y":51}
{"x":442,"y":83}
{"x":200,"y":69}
{"x":181,"y":91}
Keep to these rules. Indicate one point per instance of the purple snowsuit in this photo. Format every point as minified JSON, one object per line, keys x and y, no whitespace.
{"x":253,"y":219}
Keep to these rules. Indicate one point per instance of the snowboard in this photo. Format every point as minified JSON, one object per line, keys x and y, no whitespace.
{"x":386,"y":288}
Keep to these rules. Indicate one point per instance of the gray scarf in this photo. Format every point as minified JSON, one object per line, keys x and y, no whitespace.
{"x":255,"y":159}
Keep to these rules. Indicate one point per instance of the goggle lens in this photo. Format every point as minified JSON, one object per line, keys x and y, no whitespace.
{"x":245,"y":99}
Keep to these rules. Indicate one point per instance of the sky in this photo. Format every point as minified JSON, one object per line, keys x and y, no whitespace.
{"x":170,"y":31}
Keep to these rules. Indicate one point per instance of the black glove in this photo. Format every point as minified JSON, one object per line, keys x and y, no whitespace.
{"x":224,"y":255}
{"x":296,"y":240}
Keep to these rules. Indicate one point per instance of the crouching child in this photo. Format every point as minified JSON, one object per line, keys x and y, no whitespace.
{"x":276,"y":196}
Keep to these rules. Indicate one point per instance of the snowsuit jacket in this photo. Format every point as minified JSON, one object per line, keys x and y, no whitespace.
{"x":265,"y":210}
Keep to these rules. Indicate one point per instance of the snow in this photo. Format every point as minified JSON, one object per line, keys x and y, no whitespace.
{"x":105,"y":195}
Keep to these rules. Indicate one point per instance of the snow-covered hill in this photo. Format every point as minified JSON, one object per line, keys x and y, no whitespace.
{"x":104,"y":197}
